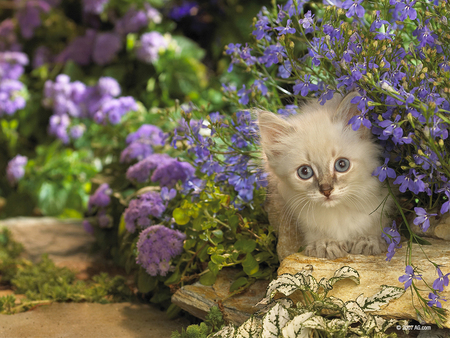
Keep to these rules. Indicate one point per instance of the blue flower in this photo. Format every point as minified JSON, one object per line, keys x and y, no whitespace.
{"x":441,"y":281}
{"x":243,"y":94}
{"x":392,"y":237}
{"x":354,"y":7}
{"x":409,"y":276}
{"x":287,"y":29}
{"x":434,"y":300}
{"x":384,"y":171}
{"x":304,"y":87}
{"x":423,"y":218}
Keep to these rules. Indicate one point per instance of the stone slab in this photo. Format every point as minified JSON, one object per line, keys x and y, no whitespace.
{"x":375,"y":271}
{"x":197,"y":299}
{"x":88,"y":320}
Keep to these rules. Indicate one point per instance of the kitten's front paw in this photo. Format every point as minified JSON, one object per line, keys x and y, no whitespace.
{"x":367,"y":246}
{"x":326,"y":249}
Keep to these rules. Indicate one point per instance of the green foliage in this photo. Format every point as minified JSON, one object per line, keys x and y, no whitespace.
{"x":43,"y":283}
{"x":213,"y":323}
{"x":317,"y":314}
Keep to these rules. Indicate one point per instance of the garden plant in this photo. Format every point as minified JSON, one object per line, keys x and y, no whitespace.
{"x":174,"y":168}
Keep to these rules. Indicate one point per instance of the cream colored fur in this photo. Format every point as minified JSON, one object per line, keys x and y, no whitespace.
{"x":349,"y":219}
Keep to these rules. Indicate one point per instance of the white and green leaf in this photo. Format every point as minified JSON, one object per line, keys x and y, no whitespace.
{"x":228,"y":331}
{"x":274,"y":320}
{"x":346,"y":272}
{"x":353,"y":313}
{"x":295,"y":329}
{"x":285,"y":284}
{"x":382,"y":298}
{"x":251,"y":328}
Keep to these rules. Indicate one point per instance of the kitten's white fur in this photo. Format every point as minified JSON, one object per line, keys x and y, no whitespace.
{"x":347,"y":221}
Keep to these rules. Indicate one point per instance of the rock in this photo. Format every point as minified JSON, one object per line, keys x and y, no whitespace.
{"x":434,"y":332}
{"x":197,"y":299}
{"x":124,"y":320}
{"x":375,"y":271}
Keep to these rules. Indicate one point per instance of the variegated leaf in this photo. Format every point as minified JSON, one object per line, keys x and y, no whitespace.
{"x":337,"y":325}
{"x":285,"y":284}
{"x":311,"y":283}
{"x":383,"y":297}
{"x":333,"y":303}
{"x":228,"y":331}
{"x":274,"y":321}
{"x":361,"y":300}
{"x":325,"y":284}
{"x":343,"y":273}
{"x":369,"y":325}
{"x":286,"y":302}
{"x":295,"y":329}
{"x":316,"y":323}
{"x":353,"y":313}
{"x":251,"y":328}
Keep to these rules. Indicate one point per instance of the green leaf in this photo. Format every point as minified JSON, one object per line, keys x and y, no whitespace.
{"x":217,"y":259}
{"x":245,"y":245}
{"x":174,"y":278}
{"x":146,"y":283}
{"x":208,"y":278}
{"x":180,"y":216}
{"x":241,"y":281}
{"x":250,"y":265}
{"x":213,"y":267}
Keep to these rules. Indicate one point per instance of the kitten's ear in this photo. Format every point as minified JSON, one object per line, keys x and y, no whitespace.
{"x":346,"y":110}
{"x":272,"y":129}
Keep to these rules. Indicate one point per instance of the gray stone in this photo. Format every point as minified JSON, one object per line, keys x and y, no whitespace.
{"x":197,"y":299}
{"x":86,"y":320}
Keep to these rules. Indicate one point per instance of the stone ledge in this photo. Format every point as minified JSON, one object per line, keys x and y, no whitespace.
{"x":375,"y":271}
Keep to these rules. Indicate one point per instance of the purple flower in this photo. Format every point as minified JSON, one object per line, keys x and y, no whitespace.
{"x":307,"y":21}
{"x":77,"y":131}
{"x":139,"y":210}
{"x":106,"y":47}
{"x":434,"y":300}
{"x":167,"y":194}
{"x":140,"y":172}
{"x":243,"y":94}
{"x":403,"y":9}
{"x":170,"y":172}
{"x":100,"y":198}
{"x":29,"y":17}
{"x":88,"y":227}
{"x":304,"y":87}
{"x":156,"y":246}
{"x":409,"y":276}
{"x":287,"y":29}
{"x":187,"y":8}
{"x":384,"y":171}
{"x":441,"y":281}
{"x":131,"y":22}
{"x":141,"y":142}
{"x":392,"y":237}
{"x":423,"y":218}
{"x":80,"y":49}
{"x":94,"y":6}
{"x":354,"y":7}
{"x":150,"y":46}
{"x":15,"y":169}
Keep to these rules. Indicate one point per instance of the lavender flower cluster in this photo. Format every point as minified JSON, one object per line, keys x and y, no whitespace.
{"x":11,"y":68}
{"x":141,"y":143}
{"x":99,"y":201}
{"x":166,"y":170}
{"x":156,"y":246}
{"x":76,"y":100}
{"x":139,"y":210}
{"x":15,"y":169}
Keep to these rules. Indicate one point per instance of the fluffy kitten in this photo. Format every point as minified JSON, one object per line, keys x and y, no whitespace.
{"x":322,"y":194}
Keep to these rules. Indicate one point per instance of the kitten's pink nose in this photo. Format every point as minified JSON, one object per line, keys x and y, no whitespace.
{"x":325,"y":189}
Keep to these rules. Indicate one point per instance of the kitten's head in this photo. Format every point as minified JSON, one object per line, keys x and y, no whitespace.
{"x":317,"y":156}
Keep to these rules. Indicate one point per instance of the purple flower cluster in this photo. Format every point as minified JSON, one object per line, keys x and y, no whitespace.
{"x":29,"y":16}
{"x":236,"y":171}
{"x":141,"y":143}
{"x":156,"y":246}
{"x":151,"y":44}
{"x":76,"y":100}
{"x":134,"y":20}
{"x":187,"y":8}
{"x":94,"y":6}
{"x":15,"y":169}
{"x":166,"y":170}
{"x":11,"y":68}
{"x":101,"y":197}
{"x":139,"y":210}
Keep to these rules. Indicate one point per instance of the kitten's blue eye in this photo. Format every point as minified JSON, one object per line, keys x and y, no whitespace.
{"x":342,"y":165}
{"x":305,"y":172}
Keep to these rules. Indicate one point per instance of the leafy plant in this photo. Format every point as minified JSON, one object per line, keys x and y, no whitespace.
{"x":317,"y":314}
{"x":213,"y":323}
